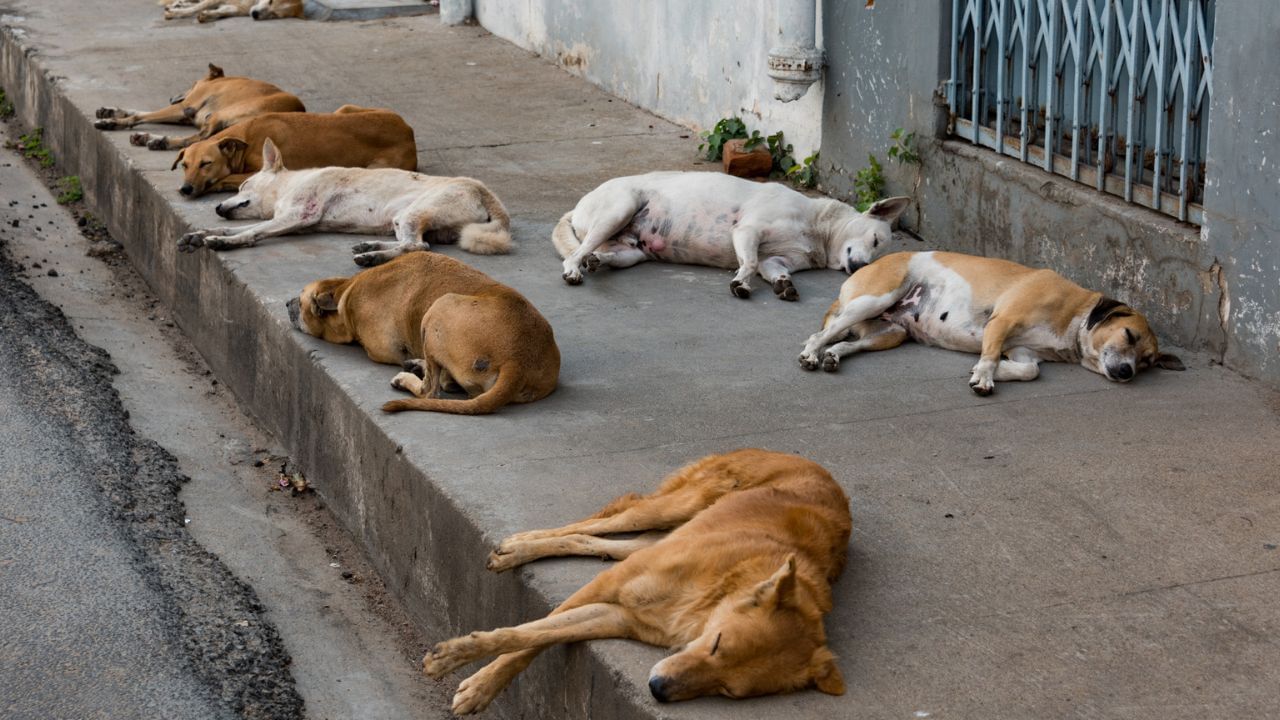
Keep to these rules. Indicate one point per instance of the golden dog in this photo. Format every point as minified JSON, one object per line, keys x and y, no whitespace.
{"x":1015,"y":316}
{"x":740,"y":585}
{"x":454,"y":324}
{"x":214,"y":103}
{"x":350,"y":136}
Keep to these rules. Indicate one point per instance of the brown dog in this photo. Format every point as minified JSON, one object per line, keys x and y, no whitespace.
{"x":350,"y":136}
{"x":740,"y":585}
{"x":456,"y":325}
{"x":214,"y":103}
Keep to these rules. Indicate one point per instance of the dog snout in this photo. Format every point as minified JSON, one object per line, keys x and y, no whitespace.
{"x":661,"y":688}
{"x":1121,"y":372}
{"x":187,"y":189}
{"x":222,"y":211}
{"x":852,"y":266}
{"x":295,"y":312}
{"x":254,"y":14}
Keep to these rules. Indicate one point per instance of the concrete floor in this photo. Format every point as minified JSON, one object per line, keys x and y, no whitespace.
{"x":1065,"y":548}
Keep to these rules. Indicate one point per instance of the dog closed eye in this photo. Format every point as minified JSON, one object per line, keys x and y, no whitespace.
{"x":716,"y":644}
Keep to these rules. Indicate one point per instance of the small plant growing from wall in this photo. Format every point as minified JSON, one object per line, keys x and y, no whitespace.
{"x":71,"y":190}
{"x":6,"y":106}
{"x":903,"y":150}
{"x":868,"y":184}
{"x":32,"y":147}
{"x":725,"y":130}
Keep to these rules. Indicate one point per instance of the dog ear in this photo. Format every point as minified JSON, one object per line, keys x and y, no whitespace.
{"x":1106,"y":309}
{"x":272,"y":160}
{"x":779,"y":587}
{"x":233,"y":150}
{"x":178,"y":159}
{"x":826,"y":676}
{"x":215,"y":72}
{"x":1168,"y":362}
{"x":325,"y":302}
{"x":888,"y":209}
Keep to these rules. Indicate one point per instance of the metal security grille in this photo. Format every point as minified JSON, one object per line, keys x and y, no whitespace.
{"x":1111,"y":93}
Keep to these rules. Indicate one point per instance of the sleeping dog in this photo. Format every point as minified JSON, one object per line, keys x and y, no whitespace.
{"x":210,"y":10}
{"x":739,"y":587}
{"x":213,"y":104}
{"x":1013,"y":315}
{"x":723,"y":221}
{"x":453,"y":326}
{"x":412,"y":206}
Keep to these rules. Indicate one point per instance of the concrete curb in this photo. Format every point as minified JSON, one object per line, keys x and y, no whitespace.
{"x":416,"y":536}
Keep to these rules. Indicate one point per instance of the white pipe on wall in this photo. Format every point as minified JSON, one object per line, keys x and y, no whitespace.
{"x":795,"y":62}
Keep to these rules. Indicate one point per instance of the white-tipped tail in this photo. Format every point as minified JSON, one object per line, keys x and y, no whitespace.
{"x":492,"y":237}
{"x":563,"y":237}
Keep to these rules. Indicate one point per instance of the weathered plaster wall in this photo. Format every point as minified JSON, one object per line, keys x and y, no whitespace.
{"x":885,"y":70}
{"x":1242,"y":187}
{"x":692,"y":63}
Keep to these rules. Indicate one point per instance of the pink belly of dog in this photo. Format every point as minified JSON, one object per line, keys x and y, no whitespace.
{"x":929,"y":323}
{"x":703,"y":239}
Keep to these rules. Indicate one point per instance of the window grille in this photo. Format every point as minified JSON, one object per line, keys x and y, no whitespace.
{"x":1111,"y":93}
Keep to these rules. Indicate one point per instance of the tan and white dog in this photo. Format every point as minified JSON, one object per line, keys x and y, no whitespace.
{"x":409,"y":205}
{"x":739,"y":587}
{"x":1014,"y":316}
{"x":214,"y":103}
{"x":210,"y":10}
{"x":703,"y":218}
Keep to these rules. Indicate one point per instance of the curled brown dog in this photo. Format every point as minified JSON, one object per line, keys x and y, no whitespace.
{"x":453,"y":326}
{"x":213,"y":104}
{"x":740,"y":585}
{"x":351,"y":136}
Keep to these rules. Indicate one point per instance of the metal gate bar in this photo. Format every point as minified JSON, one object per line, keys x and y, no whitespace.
{"x":1075,"y":66}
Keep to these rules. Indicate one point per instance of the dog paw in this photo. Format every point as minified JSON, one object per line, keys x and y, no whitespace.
{"x":476,"y":692}
{"x":139,"y":139}
{"x":369,"y":259}
{"x":592,"y":262}
{"x":365,"y":247}
{"x":106,"y":112}
{"x":403,"y":381}
{"x":158,"y":143}
{"x":450,"y":655}
{"x":740,"y":289}
{"x":192,"y":241}
{"x":417,"y":367}
{"x":785,"y":290}
{"x":982,"y":388}
{"x":215,"y":242}
{"x":809,"y":361}
{"x":501,"y":560}
{"x":830,"y":362}
{"x":573,"y":277}
{"x":107,"y":124}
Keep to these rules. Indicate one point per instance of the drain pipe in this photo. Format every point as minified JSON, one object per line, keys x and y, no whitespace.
{"x":456,"y":12}
{"x":795,"y":62}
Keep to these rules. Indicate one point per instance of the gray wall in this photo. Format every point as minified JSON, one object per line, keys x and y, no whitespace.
{"x":690,"y":62}
{"x":1214,"y":289}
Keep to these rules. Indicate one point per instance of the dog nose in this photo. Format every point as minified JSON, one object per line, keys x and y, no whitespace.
{"x":659,"y":687}
{"x":186,"y":189}
{"x":854,"y":266}
{"x":253,"y":14}
{"x":222,"y":212}
{"x":1122,"y":372}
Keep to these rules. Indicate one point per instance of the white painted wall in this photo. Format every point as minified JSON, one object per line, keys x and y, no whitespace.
{"x":690,"y":62}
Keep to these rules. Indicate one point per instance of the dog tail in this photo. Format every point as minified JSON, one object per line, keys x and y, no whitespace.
{"x":492,"y":237}
{"x":502,"y":393}
{"x":564,"y":237}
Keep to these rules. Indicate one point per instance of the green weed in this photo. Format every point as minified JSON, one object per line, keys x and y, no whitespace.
{"x":71,"y":189}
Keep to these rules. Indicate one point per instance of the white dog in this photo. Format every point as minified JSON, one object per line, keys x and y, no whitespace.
{"x":723,"y":221}
{"x":385,"y":201}
{"x":210,"y":10}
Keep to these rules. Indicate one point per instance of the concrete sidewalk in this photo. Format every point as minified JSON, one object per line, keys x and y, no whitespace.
{"x":1065,"y":548}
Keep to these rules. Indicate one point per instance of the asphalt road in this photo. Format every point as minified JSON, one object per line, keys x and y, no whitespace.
{"x":109,"y":607}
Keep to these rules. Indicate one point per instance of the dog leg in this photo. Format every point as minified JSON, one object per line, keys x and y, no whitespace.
{"x":154,"y":141}
{"x":993,"y":336}
{"x":587,"y":622}
{"x":244,"y":237}
{"x":777,"y":272}
{"x":605,"y":227}
{"x":476,"y":692}
{"x":408,"y":225}
{"x":1020,"y":364}
{"x":109,"y":119}
{"x":519,"y":553}
{"x":222,"y":11}
{"x":746,"y":245}
{"x":872,"y":335}
{"x":184,"y":10}
{"x":621,"y":258}
{"x":660,"y":511}
{"x":860,"y":308}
